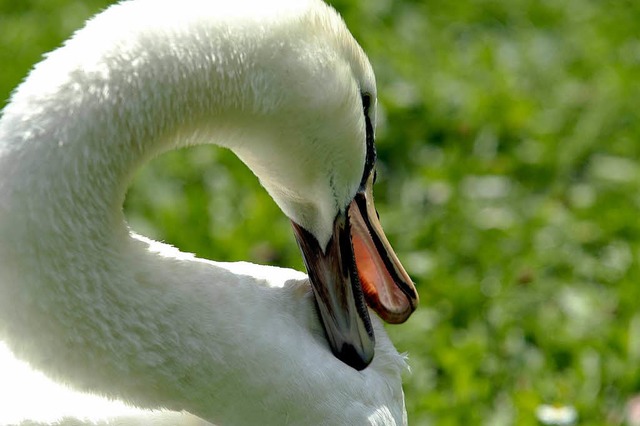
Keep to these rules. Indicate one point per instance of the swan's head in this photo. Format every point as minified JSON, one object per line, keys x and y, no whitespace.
{"x":316,"y":157}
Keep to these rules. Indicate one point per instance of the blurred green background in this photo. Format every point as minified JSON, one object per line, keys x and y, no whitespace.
{"x":509,"y":185}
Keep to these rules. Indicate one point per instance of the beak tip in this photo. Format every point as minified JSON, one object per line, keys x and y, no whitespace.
{"x":356,"y":359}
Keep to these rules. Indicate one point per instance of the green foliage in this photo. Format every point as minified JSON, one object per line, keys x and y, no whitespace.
{"x":509,"y":185}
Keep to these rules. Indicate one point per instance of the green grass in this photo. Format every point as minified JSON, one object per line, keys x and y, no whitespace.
{"x":509,"y":184}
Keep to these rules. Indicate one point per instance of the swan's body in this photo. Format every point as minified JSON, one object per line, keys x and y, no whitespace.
{"x":116,"y":314}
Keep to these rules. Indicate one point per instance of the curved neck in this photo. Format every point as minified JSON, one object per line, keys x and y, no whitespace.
{"x":70,"y":141}
{"x":260,"y":80}
{"x":95,"y":307}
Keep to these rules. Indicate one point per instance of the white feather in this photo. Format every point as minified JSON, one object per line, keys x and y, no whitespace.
{"x":116,"y":314}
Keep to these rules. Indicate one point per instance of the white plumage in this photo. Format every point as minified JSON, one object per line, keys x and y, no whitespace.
{"x":82,"y":299}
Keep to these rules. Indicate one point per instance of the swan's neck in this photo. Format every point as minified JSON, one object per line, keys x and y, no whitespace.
{"x":96,"y":307}
{"x":251,"y":77}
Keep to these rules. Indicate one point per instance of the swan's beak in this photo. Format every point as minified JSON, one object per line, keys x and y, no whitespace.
{"x":338,"y":293}
{"x":358,"y":264}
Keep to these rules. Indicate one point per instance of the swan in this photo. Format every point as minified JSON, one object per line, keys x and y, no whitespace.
{"x":282,"y":84}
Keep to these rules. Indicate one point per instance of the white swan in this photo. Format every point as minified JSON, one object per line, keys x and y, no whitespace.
{"x":284,"y":85}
